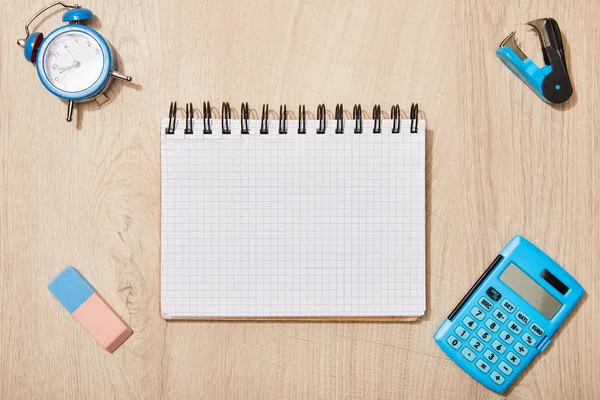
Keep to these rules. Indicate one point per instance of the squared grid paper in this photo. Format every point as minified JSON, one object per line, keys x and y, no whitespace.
{"x":329,"y":225}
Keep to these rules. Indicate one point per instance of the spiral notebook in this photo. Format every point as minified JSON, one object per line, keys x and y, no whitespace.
{"x":285,"y":217}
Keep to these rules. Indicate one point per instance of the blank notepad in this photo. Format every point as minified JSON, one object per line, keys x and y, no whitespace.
{"x":293,"y":225}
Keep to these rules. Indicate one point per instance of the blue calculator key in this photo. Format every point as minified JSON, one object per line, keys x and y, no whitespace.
{"x":512,"y":358}
{"x":493,"y":325}
{"x":528,"y":339}
{"x":454,"y":342}
{"x":490,"y":356}
{"x":476,"y":344}
{"x":507,"y":337}
{"x":485,"y":303}
{"x":485,"y":335}
{"x":493,"y":293}
{"x":508,"y":306}
{"x":535,"y":328}
{"x":482,"y":365}
{"x":522,"y":318}
{"x":505,"y":368}
{"x":468,"y":354}
{"x":477,"y":313}
{"x":516,"y":329}
{"x":499,"y":347}
{"x":521,"y":348}
{"x":461,"y":332}
{"x":499,"y":315}
{"x":497,"y":378}
{"x":469,"y":323}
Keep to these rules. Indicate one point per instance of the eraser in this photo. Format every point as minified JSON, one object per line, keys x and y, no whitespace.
{"x":80,"y":298}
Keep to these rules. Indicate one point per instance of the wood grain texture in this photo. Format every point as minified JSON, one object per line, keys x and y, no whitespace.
{"x":500,"y":162}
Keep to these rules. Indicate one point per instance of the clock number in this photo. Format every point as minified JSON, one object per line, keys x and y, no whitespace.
{"x":75,"y":40}
{"x":88,"y":43}
{"x":55,"y":54}
{"x":97,"y":51}
{"x":54,"y":66}
{"x":66,"y":46}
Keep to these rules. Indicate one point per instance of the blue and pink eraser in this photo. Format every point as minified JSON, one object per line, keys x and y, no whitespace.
{"x":89,"y":308}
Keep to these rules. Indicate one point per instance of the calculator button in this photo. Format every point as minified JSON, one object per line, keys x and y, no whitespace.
{"x":512,"y":358}
{"x":507,"y":337}
{"x":452,"y":341}
{"x":528,"y":339}
{"x":477,"y":313}
{"x":468,"y":354}
{"x":508,"y":306}
{"x":461,"y":332}
{"x":468,"y":321}
{"x":522,"y":318}
{"x":485,"y":335}
{"x":497,"y":378}
{"x":493,"y":325}
{"x":499,"y":347}
{"x":482,"y":365}
{"x":521,"y":348}
{"x":499,"y":315}
{"x":490,"y":356}
{"x":535,"y":328}
{"x":476,"y":344}
{"x":516,"y":329}
{"x":505,"y":368}
{"x":493,"y":293}
{"x":485,"y":303}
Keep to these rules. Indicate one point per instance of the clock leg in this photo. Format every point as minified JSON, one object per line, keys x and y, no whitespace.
{"x":70,"y":111}
{"x":118,"y":75}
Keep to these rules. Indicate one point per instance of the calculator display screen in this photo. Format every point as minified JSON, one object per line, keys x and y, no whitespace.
{"x":530,"y":291}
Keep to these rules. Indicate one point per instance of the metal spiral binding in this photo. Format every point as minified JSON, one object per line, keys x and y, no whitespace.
{"x":206,"y":118}
{"x":339,"y":118}
{"x":244,"y":119}
{"x":170,"y":129}
{"x":264,"y":120}
{"x":301,"y":120}
{"x":283,"y":120}
{"x":414,"y":118}
{"x":377,"y":118}
{"x":225,"y":117}
{"x":189,"y":119}
{"x":357,"y":116}
{"x":322,"y":117}
{"x":395,"y":114}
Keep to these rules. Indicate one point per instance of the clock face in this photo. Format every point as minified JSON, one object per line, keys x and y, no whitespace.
{"x":73,"y":61}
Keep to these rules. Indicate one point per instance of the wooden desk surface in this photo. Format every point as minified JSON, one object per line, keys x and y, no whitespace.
{"x":500,"y":162}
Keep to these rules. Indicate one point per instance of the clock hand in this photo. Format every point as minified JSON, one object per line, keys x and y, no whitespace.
{"x":71,"y":55}
{"x":65,"y":75}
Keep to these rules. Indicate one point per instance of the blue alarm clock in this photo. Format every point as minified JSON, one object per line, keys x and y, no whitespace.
{"x":74,"y":62}
{"x":509,"y":316}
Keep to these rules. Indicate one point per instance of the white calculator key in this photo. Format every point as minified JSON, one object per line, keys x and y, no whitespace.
{"x":490,"y":356}
{"x":508,"y":306}
{"x":476,"y":344}
{"x":468,"y":354}
{"x":485,"y":335}
{"x":499,"y":347}
{"x":461,"y":332}
{"x":516,"y":329}
{"x":521,"y":348}
{"x":482,"y":365}
{"x":535,"y":328}
{"x":512,"y":358}
{"x":454,"y":342}
{"x":477,"y":313}
{"x":522,"y":318}
{"x":492,"y":325}
{"x":507,"y":337}
{"x":485,"y":303}
{"x":497,"y":378}
{"x":500,"y":315}
{"x":528,"y":339}
{"x":469,"y":322}
{"x":505,"y":368}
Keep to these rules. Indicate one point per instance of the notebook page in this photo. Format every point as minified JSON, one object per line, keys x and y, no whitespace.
{"x":274,"y":225}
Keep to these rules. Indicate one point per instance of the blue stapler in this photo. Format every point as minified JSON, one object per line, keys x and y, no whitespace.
{"x":550,"y":82}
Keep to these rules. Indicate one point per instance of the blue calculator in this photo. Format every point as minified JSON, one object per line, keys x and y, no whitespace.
{"x":509,"y":316}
